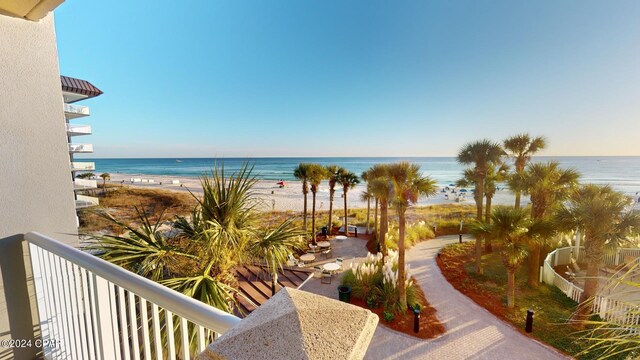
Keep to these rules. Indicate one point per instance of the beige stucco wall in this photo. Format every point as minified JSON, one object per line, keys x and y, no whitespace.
{"x":36,"y":193}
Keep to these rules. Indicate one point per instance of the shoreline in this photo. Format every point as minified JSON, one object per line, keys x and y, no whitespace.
{"x":289,"y":197}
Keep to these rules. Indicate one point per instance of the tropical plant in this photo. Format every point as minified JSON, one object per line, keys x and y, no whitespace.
{"x":481,"y":154}
{"x":607,"y":221}
{"x":316,"y":173}
{"x":348,"y":180}
{"x":547,"y":185}
{"x":87,"y":175}
{"x":366,"y":196}
{"x":510,"y":227}
{"x":408,"y":185}
{"x":301,"y":173}
{"x":105,"y":177}
{"x":198,"y":257}
{"x":333,"y":172}
{"x":381,"y":188}
{"x":520,"y":147}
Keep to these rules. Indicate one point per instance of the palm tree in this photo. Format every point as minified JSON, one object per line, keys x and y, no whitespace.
{"x":87,"y":175}
{"x":510,"y":227}
{"x":607,"y":221}
{"x":481,"y":154}
{"x":547,"y":185}
{"x":380,"y":187}
{"x":333,"y":172}
{"x":366,"y":196}
{"x":408,"y":184}
{"x":316,"y":174}
{"x":105,"y":177}
{"x":521,"y":147}
{"x":348,"y":180}
{"x":301,"y":173}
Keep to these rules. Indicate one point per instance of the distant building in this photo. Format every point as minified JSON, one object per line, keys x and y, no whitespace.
{"x":74,"y":90}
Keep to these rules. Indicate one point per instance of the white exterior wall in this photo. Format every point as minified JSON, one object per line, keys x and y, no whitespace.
{"x":36,"y":192}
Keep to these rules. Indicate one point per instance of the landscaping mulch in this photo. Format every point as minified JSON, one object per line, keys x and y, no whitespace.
{"x":430,"y":326}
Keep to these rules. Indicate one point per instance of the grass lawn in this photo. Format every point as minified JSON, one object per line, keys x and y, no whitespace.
{"x":552,"y":308}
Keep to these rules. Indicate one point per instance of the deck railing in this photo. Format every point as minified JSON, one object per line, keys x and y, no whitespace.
{"x":92,"y":309}
{"x":619,"y":312}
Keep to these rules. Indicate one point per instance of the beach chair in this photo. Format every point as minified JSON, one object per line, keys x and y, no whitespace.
{"x":326,"y":277}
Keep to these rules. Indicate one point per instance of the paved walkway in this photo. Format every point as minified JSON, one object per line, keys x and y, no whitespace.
{"x":471,"y":331}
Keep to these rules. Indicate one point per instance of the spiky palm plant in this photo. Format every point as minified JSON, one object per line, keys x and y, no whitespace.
{"x":105,"y":177}
{"x":521,"y":147}
{"x":607,"y":221}
{"x":348,"y":180}
{"x":408,"y":185}
{"x":481,"y":154}
{"x":379,"y":185}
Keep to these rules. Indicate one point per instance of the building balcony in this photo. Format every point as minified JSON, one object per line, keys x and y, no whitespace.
{"x":84,"y":184}
{"x":74,"y":130}
{"x":75,"y":111}
{"x":82,"y":166}
{"x":84,"y":201}
{"x":80,"y":148}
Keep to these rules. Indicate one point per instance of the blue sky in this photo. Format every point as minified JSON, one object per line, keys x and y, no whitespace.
{"x":353,"y":78}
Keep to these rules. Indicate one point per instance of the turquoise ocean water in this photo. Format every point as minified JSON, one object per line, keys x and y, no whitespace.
{"x":623,"y":173}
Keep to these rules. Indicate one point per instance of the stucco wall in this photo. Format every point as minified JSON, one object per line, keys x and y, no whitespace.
{"x":36,"y":193}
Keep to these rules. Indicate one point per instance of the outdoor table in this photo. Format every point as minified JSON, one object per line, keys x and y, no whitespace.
{"x":324,"y":244}
{"x":341,"y":237}
{"x":307,"y":257}
{"x":331,"y":267}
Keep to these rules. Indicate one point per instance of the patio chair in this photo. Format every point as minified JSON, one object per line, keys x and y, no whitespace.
{"x":326,"y":277}
{"x":318,"y":272}
{"x":327,"y":253}
{"x":291,"y":261}
{"x":313,"y":248}
{"x":339,"y":261}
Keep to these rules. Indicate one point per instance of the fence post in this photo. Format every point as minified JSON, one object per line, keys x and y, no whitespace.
{"x":103,"y":319}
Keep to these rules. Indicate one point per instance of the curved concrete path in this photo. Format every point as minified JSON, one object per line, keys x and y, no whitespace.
{"x":471,"y":331}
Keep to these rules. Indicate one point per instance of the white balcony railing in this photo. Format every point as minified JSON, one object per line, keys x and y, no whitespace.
{"x":75,"y":111}
{"x":82,"y":166}
{"x":84,"y":184}
{"x":83,"y":201}
{"x":80,"y":148}
{"x":74,"y":130}
{"x":92,"y":309}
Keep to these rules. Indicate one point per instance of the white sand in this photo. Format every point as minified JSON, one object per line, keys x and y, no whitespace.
{"x":290,"y":197}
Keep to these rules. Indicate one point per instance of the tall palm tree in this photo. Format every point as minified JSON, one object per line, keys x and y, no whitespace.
{"x":333,"y":172}
{"x":366,"y":196}
{"x":301,"y":173}
{"x":607,"y":221}
{"x":481,"y":154}
{"x":494,"y":177}
{"x":348,"y":180}
{"x":510,"y":227}
{"x":520,"y":147}
{"x":408,"y":185}
{"x":380,"y":187}
{"x":105,"y":177}
{"x":547,"y":185}
{"x":316,"y":174}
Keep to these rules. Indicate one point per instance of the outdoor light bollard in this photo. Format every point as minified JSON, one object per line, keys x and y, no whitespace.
{"x":416,"y":321}
{"x":460,"y":238}
{"x":529,"y":325}
{"x":356,"y":230}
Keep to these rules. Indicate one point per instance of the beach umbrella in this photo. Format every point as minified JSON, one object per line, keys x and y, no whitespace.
{"x":297,"y":324}
{"x":463,"y":190}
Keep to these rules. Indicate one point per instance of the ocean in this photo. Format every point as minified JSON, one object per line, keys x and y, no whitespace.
{"x":622,"y":173}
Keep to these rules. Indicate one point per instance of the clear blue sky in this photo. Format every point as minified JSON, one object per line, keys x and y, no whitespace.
{"x":354,"y":78}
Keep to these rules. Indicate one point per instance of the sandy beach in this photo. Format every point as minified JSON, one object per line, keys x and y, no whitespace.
{"x":290,"y":196}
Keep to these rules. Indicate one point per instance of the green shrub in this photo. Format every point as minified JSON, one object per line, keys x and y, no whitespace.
{"x":414,"y":233}
{"x":387,"y":316}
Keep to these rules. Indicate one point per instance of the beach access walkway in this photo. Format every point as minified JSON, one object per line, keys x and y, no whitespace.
{"x":471,"y":331}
